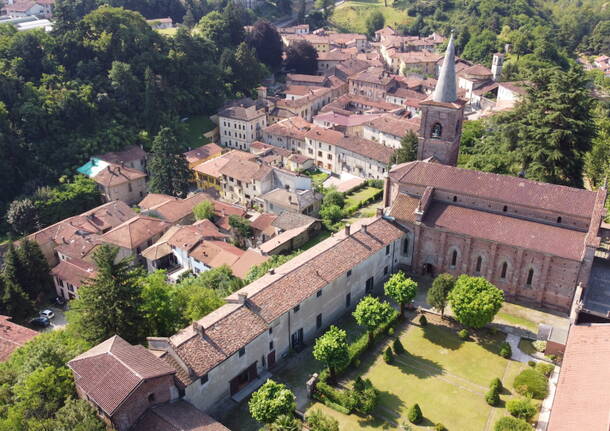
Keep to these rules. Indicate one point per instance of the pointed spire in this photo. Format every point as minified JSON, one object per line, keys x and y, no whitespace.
{"x":445,"y":87}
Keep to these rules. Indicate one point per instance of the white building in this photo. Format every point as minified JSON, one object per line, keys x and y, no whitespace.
{"x":241,"y":123}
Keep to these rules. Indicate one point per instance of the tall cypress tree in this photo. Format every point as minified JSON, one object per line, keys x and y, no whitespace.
{"x":36,"y":272}
{"x":110,"y":303}
{"x":14,"y":301}
{"x":169,"y":172}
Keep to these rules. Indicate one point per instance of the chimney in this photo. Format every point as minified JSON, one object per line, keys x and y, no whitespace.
{"x":364,"y":228}
{"x":347,"y":229}
{"x":241,"y":298}
{"x":261,"y":93}
{"x":198,"y":328}
{"x":379,"y":212}
{"x":271,"y":271}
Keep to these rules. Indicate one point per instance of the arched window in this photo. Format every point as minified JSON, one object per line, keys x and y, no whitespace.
{"x":558,"y":219}
{"x":437,"y":130}
{"x":479,"y":263}
{"x":530,"y":277}
{"x":454,"y":258}
{"x":504,"y":270}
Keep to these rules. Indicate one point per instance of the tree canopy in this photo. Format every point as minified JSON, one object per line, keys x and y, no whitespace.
{"x":302,"y":57}
{"x":371,"y":312}
{"x":438,"y":294}
{"x":401,"y":289}
{"x":475,"y":301}
{"x":271,"y":401}
{"x":332,"y":349}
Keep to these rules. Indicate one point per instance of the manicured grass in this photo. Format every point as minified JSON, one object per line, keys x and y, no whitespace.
{"x":359,"y":196}
{"x":168,"y":31}
{"x":351,"y":16}
{"x":321,"y":236}
{"x":446,"y":376}
{"x":318,"y":178}
{"x":197,"y":125}
{"x":514,"y":320}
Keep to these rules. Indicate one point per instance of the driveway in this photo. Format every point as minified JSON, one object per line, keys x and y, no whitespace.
{"x":59,"y":321}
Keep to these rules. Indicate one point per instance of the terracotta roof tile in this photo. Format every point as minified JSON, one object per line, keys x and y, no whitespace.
{"x":203,"y":152}
{"x":246,"y":170}
{"x":114,"y":175}
{"x":135,"y":232}
{"x":177,"y":416}
{"x":395,"y":126}
{"x":74,"y":271}
{"x":12,"y":336}
{"x":154,"y":199}
{"x":242,"y":265}
{"x":403,"y":208}
{"x":582,"y":398}
{"x":129,"y":154}
{"x":513,"y":231}
{"x":366,"y":148}
{"x":495,"y":187}
{"x":216,"y":253}
{"x":110,"y":371}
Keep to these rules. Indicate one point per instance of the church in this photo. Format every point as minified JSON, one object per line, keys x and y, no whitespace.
{"x":535,"y":241}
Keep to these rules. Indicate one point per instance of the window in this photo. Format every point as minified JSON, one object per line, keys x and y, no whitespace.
{"x":319,"y":321}
{"x":151,"y":398}
{"x":530,"y":277}
{"x":203,"y":380}
{"x":437,"y":130}
{"x":242,"y":352}
{"x":270,"y":345}
{"x":270,"y":331}
{"x":318,"y":293}
{"x":405,"y":246}
{"x":558,"y":219}
{"x":454,"y":255}
{"x":387,"y":250}
{"x":504,"y":270}
{"x":349,"y":272}
{"x":505,"y":208}
{"x":297,"y":308}
{"x":368,"y":288}
{"x":385,"y":271}
{"x":348,"y":299}
{"x":455,"y":199}
{"x":479,"y":263}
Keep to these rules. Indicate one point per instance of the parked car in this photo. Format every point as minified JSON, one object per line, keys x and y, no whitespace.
{"x":49,"y":314}
{"x":41,"y":322}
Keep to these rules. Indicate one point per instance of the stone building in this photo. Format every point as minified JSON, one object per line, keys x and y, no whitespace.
{"x":535,"y":241}
{"x":241,"y":123}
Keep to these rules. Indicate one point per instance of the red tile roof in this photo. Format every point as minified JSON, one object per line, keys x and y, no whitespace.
{"x":246,"y":170}
{"x":110,"y":371}
{"x":114,"y":175}
{"x":582,"y":398}
{"x":177,"y":416}
{"x":495,"y":187}
{"x":216,"y":253}
{"x":203,"y":152}
{"x":242,"y":265}
{"x":508,"y":230}
{"x":395,"y":126}
{"x":12,"y":336}
{"x":135,"y":232}
{"x":366,"y":148}
{"x":129,"y":154}
{"x":74,"y":271}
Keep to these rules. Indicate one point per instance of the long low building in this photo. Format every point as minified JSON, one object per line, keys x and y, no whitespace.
{"x":222,"y":353}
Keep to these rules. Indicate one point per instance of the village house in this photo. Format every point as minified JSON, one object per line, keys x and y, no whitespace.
{"x":350,"y":125}
{"x":295,"y":29}
{"x":202,"y":154}
{"x":24,"y":8}
{"x":288,"y":133}
{"x":12,"y":336}
{"x":171,"y":209}
{"x":143,"y":395}
{"x":328,"y":60}
{"x":290,"y":238}
{"x":160,"y":23}
{"x":406,"y":97}
{"x":240,"y":123}
{"x":320,"y":43}
{"x":70,"y":274}
{"x":133,"y":157}
{"x":134,"y":235}
{"x":353,"y":104}
{"x":389,"y":130}
{"x":373,"y":83}
{"x":207,"y":174}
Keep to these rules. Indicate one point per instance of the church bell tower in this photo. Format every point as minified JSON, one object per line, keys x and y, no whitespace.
{"x":442,"y":115}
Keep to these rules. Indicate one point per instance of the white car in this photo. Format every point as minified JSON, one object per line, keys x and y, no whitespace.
{"x":47,"y":313}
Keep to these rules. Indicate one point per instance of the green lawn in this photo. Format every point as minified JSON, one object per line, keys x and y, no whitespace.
{"x":196,"y":126}
{"x":511,"y":319}
{"x":351,"y":16}
{"x":318,"y":177}
{"x":446,"y":376}
{"x":527,"y":347}
{"x":359,"y":196}
{"x":168,"y":31}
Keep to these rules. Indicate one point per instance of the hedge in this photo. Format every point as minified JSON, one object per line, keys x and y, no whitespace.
{"x":352,"y":209}
{"x":531,"y":383}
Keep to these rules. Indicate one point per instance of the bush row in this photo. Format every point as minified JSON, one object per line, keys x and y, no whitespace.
{"x":362,"y":398}
{"x":352,"y":209}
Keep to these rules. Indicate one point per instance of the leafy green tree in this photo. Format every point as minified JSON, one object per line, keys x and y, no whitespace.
{"x":268,"y":44}
{"x":302,"y":57}
{"x":159,"y":306}
{"x":43,"y":392}
{"x":204,"y":210}
{"x":22,"y":216}
{"x":301,"y":12}
{"x":286,"y":423}
{"x":480,"y":47}
{"x":169,"y":172}
{"x":14,"y":301}
{"x":597,"y":161}
{"x":214,"y":28}
{"x":333,"y":197}
{"x":241,"y":229}
{"x":371,"y":312}
{"x":599,"y":42}
{"x":234,"y":15}
{"x":475,"y":301}
{"x":408,"y":149}
{"x":509,"y":423}
{"x":327,"y":6}
{"x":271,"y":401}
{"x":401,"y":289}
{"x":257,"y":271}
{"x":438,"y":294}
{"x":318,"y":421}
{"x":374,"y":21}
{"x":247,"y":71}
{"x":414,"y":414}
{"x":110,"y":303}
{"x":331,"y":214}
{"x":332,"y":349}
{"x":77,"y":415}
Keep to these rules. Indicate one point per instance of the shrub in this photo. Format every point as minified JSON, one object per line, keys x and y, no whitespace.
{"x":367,"y":399}
{"x":440,"y":427}
{"x":398,"y":347}
{"x":492,"y":397}
{"x":531,"y":363}
{"x":552,"y":357}
{"x":390,"y":331}
{"x":359,"y":384}
{"x":539,"y":345}
{"x":336,"y":407}
{"x":509,"y":423}
{"x":531,"y":383}
{"x":422,"y":320}
{"x":318,"y":421}
{"x":544,"y":368}
{"x":496,"y":384}
{"x":522,"y":409}
{"x":356,"y":363}
{"x":463,"y":334}
{"x":505,"y":350}
{"x":346,"y":399}
{"x":388,"y":356}
{"x":414,"y":415}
